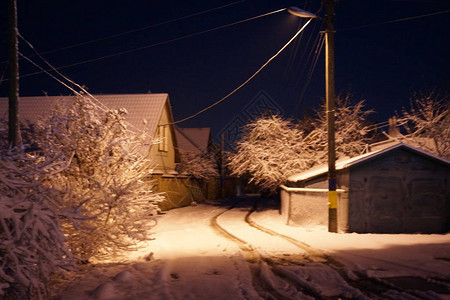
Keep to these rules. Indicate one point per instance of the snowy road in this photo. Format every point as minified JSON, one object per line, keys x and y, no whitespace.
{"x":223,"y":250}
{"x":278,"y":263}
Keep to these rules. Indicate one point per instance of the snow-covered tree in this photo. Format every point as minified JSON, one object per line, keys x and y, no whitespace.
{"x":272,"y":148}
{"x":351,"y":130}
{"x":107,"y":179}
{"x":199,"y":165}
{"x":427,"y":123}
{"x":32,"y":245}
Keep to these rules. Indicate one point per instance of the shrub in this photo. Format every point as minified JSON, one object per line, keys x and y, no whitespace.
{"x":32,"y":245}
{"x":107,"y":179}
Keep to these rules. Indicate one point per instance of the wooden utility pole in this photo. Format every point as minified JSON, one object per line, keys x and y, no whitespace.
{"x":13,"y":71}
{"x":222,"y":165}
{"x":330,"y":113}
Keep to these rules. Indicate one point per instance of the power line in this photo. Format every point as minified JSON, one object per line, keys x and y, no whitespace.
{"x":58,"y":72}
{"x":137,"y":29}
{"x":246,"y":81}
{"x":298,"y":42}
{"x":83,"y":92}
{"x":383,"y":124}
{"x":144,"y":28}
{"x":319,"y":46}
{"x":397,"y":20}
{"x":50,"y":65}
{"x":49,"y":74}
{"x":311,"y":48}
{"x":157,"y":44}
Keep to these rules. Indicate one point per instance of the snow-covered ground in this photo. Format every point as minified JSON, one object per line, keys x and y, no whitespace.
{"x":210,"y":252}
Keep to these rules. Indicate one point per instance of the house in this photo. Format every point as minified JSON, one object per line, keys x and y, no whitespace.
{"x":194,"y":143}
{"x":395,"y":189}
{"x":145,"y":112}
{"x":198,"y":163}
{"x":193,"y":140}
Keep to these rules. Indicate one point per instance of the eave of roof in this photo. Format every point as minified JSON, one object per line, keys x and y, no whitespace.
{"x":349,"y":162}
{"x":144,"y":110}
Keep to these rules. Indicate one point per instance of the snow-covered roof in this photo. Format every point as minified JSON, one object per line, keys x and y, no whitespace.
{"x":193,"y":139}
{"x":418,"y":142}
{"x":144,"y":110}
{"x":348,"y":162}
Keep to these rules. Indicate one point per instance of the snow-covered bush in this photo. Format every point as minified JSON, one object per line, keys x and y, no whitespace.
{"x":32,"y":245}
{"x":427,"y":123}
{"x":198,"y":165}
{"x":107,"y":179}
{"x":272,"y":148}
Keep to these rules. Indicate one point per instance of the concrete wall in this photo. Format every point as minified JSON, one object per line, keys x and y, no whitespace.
{"x":309,"y":207}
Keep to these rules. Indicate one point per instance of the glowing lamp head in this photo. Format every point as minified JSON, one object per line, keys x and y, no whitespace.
{"x":300,"y":12}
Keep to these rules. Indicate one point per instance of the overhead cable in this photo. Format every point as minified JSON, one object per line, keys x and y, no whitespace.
{"x":396,"y":20}
{"x":157,"y":44}
{"x":137,"y":29}
{"x":246,"y":81}
{"x":83,"y":92}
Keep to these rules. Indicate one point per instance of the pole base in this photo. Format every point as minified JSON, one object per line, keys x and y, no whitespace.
{"x":332,"y":220}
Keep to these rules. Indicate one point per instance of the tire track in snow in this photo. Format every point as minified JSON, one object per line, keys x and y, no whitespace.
{"x":315,"y":255}
{"x":369,"y":286}
{"x":272,"y":280}
{"x":267,"y":281}
{"x":250,"y":255}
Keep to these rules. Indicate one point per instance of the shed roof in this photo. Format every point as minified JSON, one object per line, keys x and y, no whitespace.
{"x":144,"y":110}
{"x":193,"y":139}
{"x":348,"y":162}
{"x":419,"y":142}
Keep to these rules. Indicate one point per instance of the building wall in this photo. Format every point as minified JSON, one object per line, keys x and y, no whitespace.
{"x":181,"y":191}
{"x":399,"y":192}
{"x":163,"y":160}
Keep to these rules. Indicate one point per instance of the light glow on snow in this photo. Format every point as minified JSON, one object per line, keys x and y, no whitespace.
{"x":190,"y":260}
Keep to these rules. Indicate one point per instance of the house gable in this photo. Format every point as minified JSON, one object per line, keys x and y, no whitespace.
{"x":193,"y":139}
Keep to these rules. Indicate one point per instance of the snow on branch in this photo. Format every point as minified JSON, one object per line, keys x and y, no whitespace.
{"x":32,"y":245}
{"x":199,"y":165}
{"x":427,"y":122}
{"x":107,"y":180}
{"x":273,"y":148}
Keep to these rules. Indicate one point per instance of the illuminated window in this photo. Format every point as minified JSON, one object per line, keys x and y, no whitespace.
{"x":163,"y":137}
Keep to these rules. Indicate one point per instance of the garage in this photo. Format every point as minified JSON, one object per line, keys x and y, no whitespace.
{"x":399,"y":189}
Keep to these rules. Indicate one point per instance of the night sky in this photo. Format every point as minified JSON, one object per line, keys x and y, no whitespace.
{"x":384,"y":62}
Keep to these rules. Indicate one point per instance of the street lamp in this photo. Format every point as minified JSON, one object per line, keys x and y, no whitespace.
{"x":330,"y":110}
{"x":300,"y":12}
